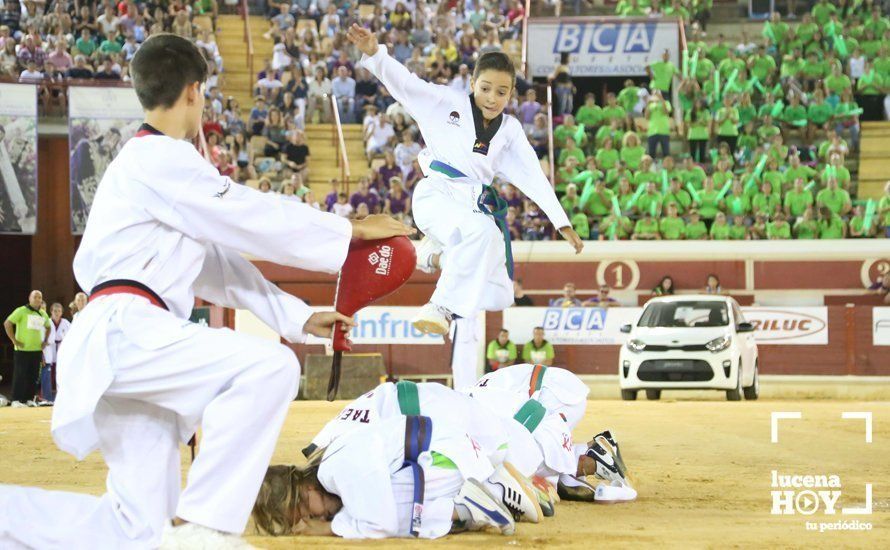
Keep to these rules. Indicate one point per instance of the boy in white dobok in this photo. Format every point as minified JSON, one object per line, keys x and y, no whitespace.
{"x":135,"y":377}
{"x":469,"y":141}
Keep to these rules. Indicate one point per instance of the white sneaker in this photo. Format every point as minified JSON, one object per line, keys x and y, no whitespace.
{"x":427,"y":248}
{"x":517,"y":493}
{"x":190,"y":536}
{"x":31,"y":403}
{"x":484,"y":510}
{"x":432,"y":319}
{"x":18,"y":405}
{"x":3,"y":401}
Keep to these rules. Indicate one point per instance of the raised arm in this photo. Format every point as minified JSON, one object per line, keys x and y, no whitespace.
{"x":414,"y":94}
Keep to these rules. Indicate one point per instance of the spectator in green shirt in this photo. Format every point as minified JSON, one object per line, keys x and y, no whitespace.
{"x":672,"y":227}
{"x":632,"y":151}
{"x":698,"y":130}
{"x":658,"y":113}
{"x":538,"y":350}
{"x":623,"y":228}
{"x":580,"y":223}
{"x":766,"y":202}
{"x":779,"y":228}
{"x":692,"y":173}
{"x":606,"y":156}
{"x":719,"y":51}
{"x":858,"y":228}
{"x":836,"y":169}
{"x":646,"y":228}
{"x":831,"y":226}
{"x":27,"y":327}
{"x":110,"y":45}
{"x":797,"y":170}
{"x":884,"y":210}
{"x":677,"y":196}
{"x":737,"y":202}
{"x":600,"y":202}
{"x":707,"y":202}
{"x":629,"y":96}
{"x":806,"y":227}
{"x":822,"y":11}
{"x":738,"y":231}
{"x":835,"y":199}
{"x":571,"y":199}
{"x":695,"y":228}
{"x":818,"y":113}
{"x":729,"y":65}
{"x":794,"y":116}
{"x":836,"y":82}
{"x":85,"y":44}
{"x":727,"y":121}
{"x":571,"y":150}
{"x":720,"y":229}
{"x":761,"y":65}
{"x":662,"y":73}
{"x":590,"y":114}
{"x":568,"y":128}
{"x":501,"y":351}
{"x":612,"y":110}
{"x":797,"y":200}
{"x":767,"y":129}
{"x":650,"y":202}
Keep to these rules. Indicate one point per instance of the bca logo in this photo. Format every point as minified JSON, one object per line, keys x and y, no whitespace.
{"x":604,"y":38}
{"x":574,"y":318}
{"x":382,"y":258}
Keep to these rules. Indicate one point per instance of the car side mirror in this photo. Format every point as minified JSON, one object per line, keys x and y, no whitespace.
{"x":745,"y":327}
{"x":626,"y":329}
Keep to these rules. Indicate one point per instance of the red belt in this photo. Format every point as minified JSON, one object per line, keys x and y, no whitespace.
{"x":126,"y":286}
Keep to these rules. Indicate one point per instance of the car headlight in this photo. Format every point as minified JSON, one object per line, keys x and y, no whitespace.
{"x":719,"y":344}
{"x":636,"y":346}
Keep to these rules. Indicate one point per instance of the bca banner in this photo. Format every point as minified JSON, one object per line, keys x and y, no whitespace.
{"x":100,"y":121}
{"x":788,"y":325}
{"x":880,"y":326}
{"x":600,"y":47}
{"x":18,"y":159}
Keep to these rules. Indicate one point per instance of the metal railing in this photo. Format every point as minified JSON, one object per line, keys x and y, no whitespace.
{"x":528,"y":7}
{"x":550,"y":134}
{"x":248,"y":39}
{"x":340,"y":143}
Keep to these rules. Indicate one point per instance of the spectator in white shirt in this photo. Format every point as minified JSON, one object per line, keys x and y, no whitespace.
{"x":461,"y":81}
{"x":857,"y":64}
{"x":319,"y":94}
{"x":406,"y":152}
{"x":31,"y":74}
{"x":378,"y":134}
{"x":342,"y":207}
{"x":343,"y":88}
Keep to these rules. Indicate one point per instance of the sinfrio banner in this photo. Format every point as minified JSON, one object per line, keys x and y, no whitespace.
{"x":600,"y":47}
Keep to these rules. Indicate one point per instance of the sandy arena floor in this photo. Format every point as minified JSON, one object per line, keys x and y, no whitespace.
{"x":702,"y":469}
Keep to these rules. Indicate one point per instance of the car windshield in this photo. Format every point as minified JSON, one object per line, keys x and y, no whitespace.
{"x":685,"y":314}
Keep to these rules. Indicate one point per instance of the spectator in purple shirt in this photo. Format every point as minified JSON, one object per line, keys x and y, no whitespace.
{"x":331,"y":199}
{"x":365,"y":196}
{"x":528,"y":109}
{"x":387,"y":172}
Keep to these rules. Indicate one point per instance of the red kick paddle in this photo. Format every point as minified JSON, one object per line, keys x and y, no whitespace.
{"x":372,"y":270}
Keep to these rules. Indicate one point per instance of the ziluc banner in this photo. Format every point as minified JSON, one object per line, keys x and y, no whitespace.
{"x":100,"y":121}
{"x":601,"y":47}
{"x":18,"y":159}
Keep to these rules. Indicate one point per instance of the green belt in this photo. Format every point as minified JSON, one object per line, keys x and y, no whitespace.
{"x":530,"y":414}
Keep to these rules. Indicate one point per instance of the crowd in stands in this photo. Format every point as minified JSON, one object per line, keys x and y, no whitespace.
{"x":57,"y":40}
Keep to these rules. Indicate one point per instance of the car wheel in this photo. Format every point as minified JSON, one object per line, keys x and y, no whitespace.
{"x":629,"y":395}
{"x":736,"y":394}
{"x":653,"y":395}
{"x":752,"y":392}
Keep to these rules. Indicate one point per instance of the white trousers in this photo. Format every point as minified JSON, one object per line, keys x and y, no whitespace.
{"x":465,"y":354}
{"x":474,"y":275}
{"x":239,"y":385}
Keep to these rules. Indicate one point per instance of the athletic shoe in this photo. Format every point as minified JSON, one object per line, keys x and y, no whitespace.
{"x":31,"y":403}
{"x":614,"y":492}
{"x":609,"y":443}
{"x":3,"y":401}
{"x":607,"y":468}
{"x":432,"y":319}
{"x":190,"y":536}
{"x":427,"y":248}
{"x":548,"y":508}
{"x":516,"y":492}
{"x":483,"y":509}
{"x":545,"y":486}
{"x":43,"y":402}
{"x":575,"y":488}
{"x":18,"y":405}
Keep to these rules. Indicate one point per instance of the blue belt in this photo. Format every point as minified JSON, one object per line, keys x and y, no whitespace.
{"x":418,"y":434}
{"x":489,"y":202}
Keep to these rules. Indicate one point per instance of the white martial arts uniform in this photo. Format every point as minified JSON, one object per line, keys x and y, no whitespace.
{"x":465,"y":334}
{"x":135,"y":379}
{"x":56,"y":335}
{"x":365,"y":468}
{"x":564,"y":398}
{"x":474,"y":276}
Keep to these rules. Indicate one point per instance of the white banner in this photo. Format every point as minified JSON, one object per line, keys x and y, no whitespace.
{"x":600,"y":47}
{"x":788,"y":325}
{"x":385,"y":325}
{"x":880,"y":326}
{"x":18,"y":159}
{"x":100,"y":121}
{"x":595,"y":326}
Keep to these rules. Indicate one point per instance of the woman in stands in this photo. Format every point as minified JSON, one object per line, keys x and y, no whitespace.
{"x":469,"y":141}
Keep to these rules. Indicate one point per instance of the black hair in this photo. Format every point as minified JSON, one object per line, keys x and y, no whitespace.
{"x":494,"y":61}
{"x":163,"y":66}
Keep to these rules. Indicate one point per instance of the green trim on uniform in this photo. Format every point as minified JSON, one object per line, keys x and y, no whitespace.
{"x":530,"y":414}
{"x":442,"y":461}
{"x":409,"y":402}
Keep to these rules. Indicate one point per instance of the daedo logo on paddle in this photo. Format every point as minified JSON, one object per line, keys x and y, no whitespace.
{"x":382,"y":258}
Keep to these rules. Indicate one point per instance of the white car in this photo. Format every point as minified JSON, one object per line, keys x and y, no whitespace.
{"x":689,"y":342}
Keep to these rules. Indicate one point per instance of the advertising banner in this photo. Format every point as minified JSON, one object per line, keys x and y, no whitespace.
{"x":880,"y":326}
{"x":100,"y":121}
{"x":18,"y":159}
{"x":599,"y":47}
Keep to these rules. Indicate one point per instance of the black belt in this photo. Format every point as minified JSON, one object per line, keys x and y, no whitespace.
{"x":126,"y":286}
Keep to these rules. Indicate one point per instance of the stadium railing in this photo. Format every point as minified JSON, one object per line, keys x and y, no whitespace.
{"x":248,"y":39}
{"x":338,"y":141}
